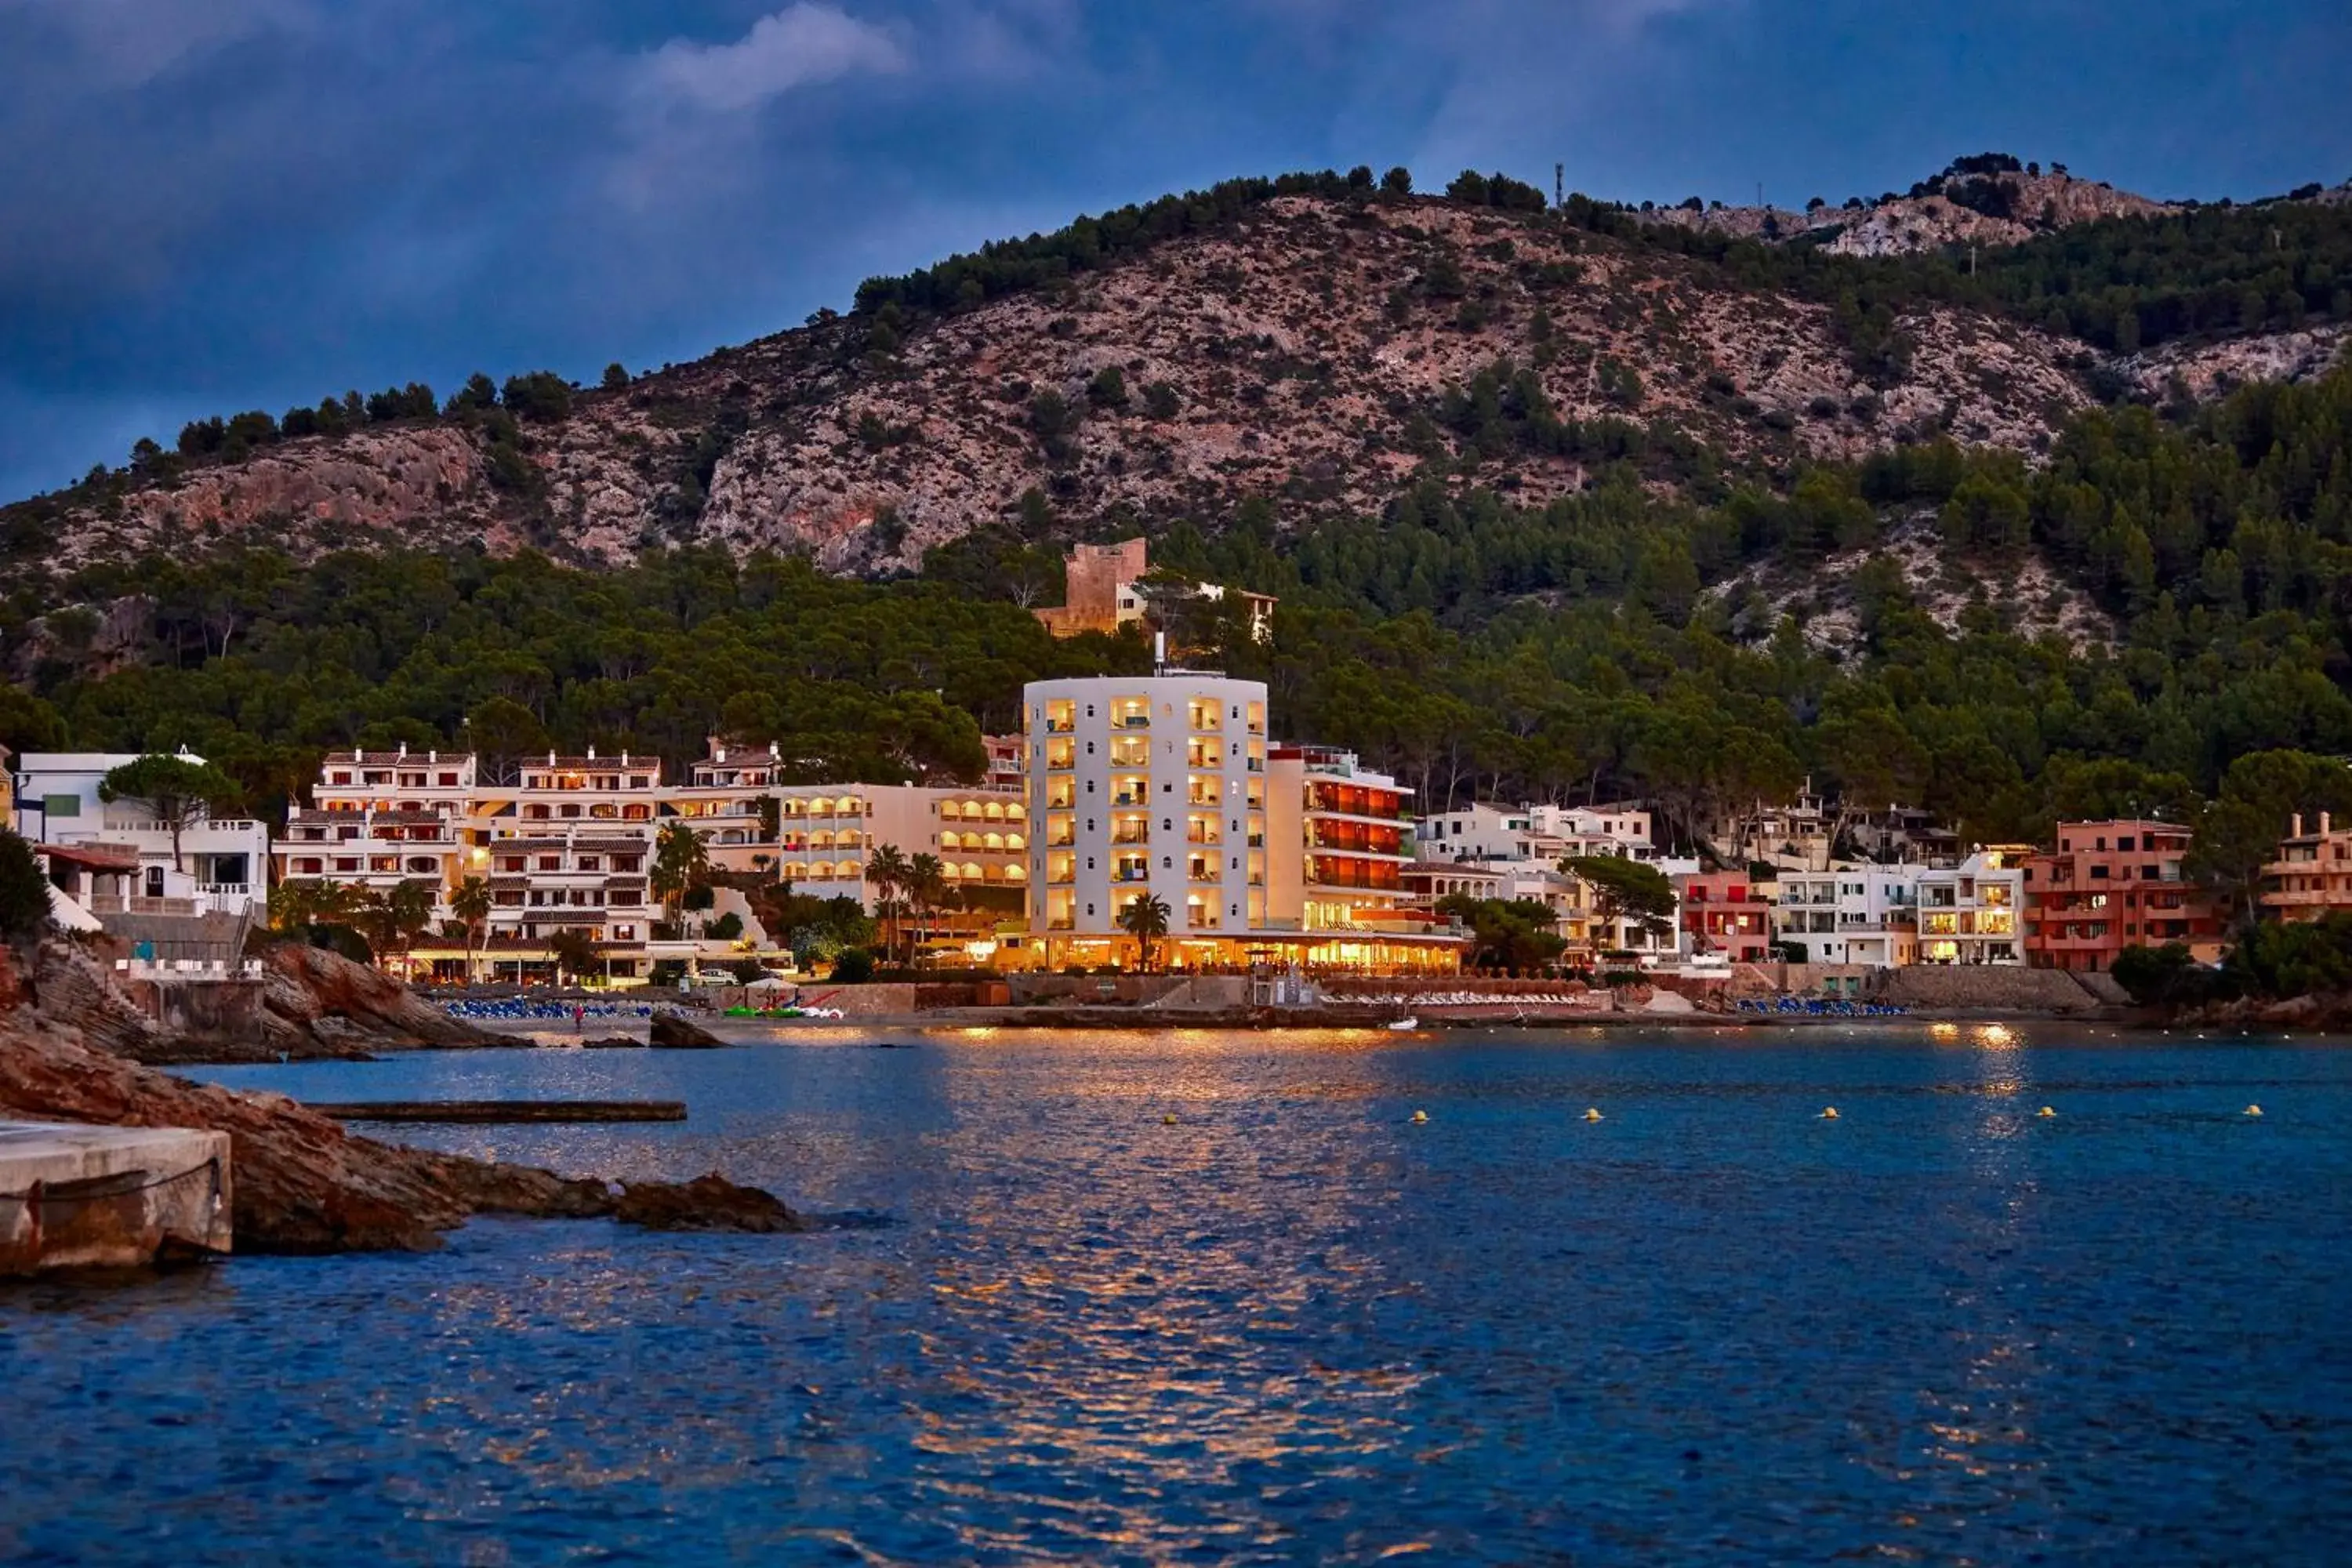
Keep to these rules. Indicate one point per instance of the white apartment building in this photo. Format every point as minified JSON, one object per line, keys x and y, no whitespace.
{"x":1147,"y":784}
{"x":1481,"y":831}
{"x":569,"y":842}
{"x":819,"y":838}
{"x":1865,"y":915}
{"x":221,"y":865}
{"x":381,"y":818}
{"x":1969,"y":913}
{"x":1486,"y":831}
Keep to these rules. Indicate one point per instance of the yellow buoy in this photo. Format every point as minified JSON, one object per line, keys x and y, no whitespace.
{"x":2045,"y":1110}
{"x":1829,"y":1113}
{"x":1421,"y":1116}
{"x":1169,"y":1120}
{"x":2254,"y":1111}
{"x":1592,"y":1113}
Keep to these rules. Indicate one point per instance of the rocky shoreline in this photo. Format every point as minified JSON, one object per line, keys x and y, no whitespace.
{"x":74,"y":1047}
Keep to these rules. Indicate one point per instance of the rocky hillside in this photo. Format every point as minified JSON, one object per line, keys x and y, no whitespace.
{"x":2005,"y":207}
{"x":1305,"y":352}
{"x":1298,"y":355}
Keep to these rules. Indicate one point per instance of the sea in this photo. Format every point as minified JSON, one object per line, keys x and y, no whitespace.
{"x":1275,"y":1298}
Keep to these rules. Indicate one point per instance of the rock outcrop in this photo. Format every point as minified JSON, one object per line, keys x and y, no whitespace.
{"x":706,"y":1203}
{"x":320,"y":1003}
{"x":315,"y":1005}
{"x":670,"y":1032}
{"x":302,"y":1183}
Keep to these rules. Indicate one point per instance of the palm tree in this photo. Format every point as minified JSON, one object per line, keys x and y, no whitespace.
{"x":680,"y":865}
{"x":926,"y":886}
{"x":392,"y":920}
{"x":1145,"y":920}
{"x":470,"y":902}
{"x":888,"y":870}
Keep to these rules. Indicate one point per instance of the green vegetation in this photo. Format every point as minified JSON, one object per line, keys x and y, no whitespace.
{"x":2123,"y":284}
{"x":1593,"y":646}
{"x":23,"y":893}
{"x":575,"y":951}
{"x":1146,"y":919}
{"x":177,"y":791}
{"x":1507,"y":933}
{"x":1008,"y":267}
{"x":1626,"y":889}
{"x":1614,"y":641}
{"x":258,"y":665}
{"x":681,"y":866}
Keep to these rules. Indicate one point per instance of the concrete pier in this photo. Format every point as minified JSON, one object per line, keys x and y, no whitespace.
{"x":493,"y":1111}
{"x":75,"y":1197}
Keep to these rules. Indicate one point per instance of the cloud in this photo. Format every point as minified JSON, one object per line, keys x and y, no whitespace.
{"x":129,"y":43}
{"x":801,"y":45}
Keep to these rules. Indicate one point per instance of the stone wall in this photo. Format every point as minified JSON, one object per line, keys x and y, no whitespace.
{"x":1992,"y":988}
{"x":1092,"y":990}
{"x":216,"y":1009}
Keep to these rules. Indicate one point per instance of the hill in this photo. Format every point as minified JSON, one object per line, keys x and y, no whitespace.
{"x":1313,"y":343}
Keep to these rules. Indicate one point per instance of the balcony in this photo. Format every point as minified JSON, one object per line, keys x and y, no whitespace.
{"x":2299,"y":899}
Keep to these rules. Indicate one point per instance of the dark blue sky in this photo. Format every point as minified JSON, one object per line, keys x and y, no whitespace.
{"x":214,"y":204}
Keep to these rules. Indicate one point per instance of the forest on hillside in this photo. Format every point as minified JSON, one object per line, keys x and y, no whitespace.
{"x":1569,"y":651}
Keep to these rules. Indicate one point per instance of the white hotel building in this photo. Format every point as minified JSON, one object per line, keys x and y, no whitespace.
{"x":1166,"y":784}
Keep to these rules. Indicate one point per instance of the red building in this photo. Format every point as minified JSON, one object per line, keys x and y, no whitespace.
{"x":2113,"y":885}
{"x":1722,"y":913}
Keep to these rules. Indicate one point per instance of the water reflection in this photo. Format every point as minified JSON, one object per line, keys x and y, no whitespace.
{"x":1290,"y":1327}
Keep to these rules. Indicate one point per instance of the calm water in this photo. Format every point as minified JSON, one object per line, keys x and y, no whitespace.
{"x":1293,"y":1327}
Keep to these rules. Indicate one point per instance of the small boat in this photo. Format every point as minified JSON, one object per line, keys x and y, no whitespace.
{"x":1407,"y":1022}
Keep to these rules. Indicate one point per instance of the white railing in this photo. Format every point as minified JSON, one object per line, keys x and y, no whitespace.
{"x":188,"y":968}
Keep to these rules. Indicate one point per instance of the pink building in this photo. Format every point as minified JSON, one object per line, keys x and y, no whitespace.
{"x":1722,"y":913}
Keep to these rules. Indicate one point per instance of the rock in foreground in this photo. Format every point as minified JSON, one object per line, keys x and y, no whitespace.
{"x":313,"y":1003}
{"x":302,"y":1183}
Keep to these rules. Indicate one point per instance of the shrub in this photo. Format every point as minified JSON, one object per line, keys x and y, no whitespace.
{"x":853,"y":966}
{"x":23,"y":893}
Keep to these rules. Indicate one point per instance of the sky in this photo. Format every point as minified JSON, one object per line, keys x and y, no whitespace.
{"x":218,"y":205}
